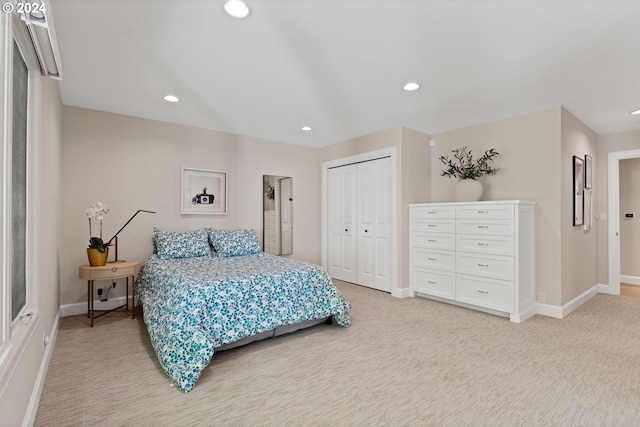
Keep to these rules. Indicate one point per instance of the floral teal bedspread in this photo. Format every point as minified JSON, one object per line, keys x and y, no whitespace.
{"x":194,"y":305}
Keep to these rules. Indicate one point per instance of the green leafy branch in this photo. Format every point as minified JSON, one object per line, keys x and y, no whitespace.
{"x":464,"y":166}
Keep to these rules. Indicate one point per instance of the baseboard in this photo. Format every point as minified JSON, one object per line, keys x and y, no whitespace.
{"x":632,"y":280}
{"x":603,"y":289}
{"x":32,"y":409}
{"x":560,"y":312}
{"x":402,"y":293}
{"x":81,"y":307}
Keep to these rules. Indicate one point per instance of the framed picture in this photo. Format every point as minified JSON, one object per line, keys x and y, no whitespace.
{"x":204,"y":192}
{"x":578,"y":190}
{"x":588,"y":208}
{"x":587,"y":171}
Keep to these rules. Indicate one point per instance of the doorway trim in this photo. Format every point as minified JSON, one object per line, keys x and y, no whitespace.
{"x":614,"y":215}
{"x":359,"y":158}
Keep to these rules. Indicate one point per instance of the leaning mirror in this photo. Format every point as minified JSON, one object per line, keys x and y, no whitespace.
{"x":277,"y":202}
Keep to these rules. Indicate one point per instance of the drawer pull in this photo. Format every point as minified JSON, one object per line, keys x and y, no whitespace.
{"x":483,"y":244}
{"x":432,"y":212}
{"x":483,"y":227}
{"x":432,"y":259}
{"x":483,"y":265}
{"x":431,"y":241}
{"x":114,"y":269}
{"x":431,"y":282}
{"x":480,"y":291}
{"x":431,"y":225}
{"x":483,"y":212}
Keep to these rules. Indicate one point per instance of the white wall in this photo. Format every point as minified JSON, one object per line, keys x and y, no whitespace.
{"x":131,"y":163}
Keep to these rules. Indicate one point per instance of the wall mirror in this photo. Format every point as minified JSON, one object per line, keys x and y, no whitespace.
{"x":277,"y":202}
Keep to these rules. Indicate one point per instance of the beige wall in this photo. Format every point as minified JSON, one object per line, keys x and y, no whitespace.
{"x":131,"y":163}
{"x":610,"y":143}
{"x":630,"y":227}
{"x":16,"y":389}
{"x":530,"y":169}
{"x":415,"y":177}
{"x":579,"y":246}
{"x":412,"y":186}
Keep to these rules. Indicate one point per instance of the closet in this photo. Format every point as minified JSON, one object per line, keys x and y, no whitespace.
{"x":359,"y":223}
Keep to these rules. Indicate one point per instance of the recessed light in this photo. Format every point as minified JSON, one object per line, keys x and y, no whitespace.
{"x":171,"y":98}
{"x":411,"y":86}
{"x":635,"y":112}
{"x":236,"y":8}
{"x":306,"y":128}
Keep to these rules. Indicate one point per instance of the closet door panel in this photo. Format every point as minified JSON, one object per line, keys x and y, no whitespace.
{"x":374,"y":223}
{"x":341,"y":223}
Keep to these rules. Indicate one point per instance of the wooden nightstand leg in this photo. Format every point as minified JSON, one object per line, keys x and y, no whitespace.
{"x":88,"y":298}
{"x":90,"y":303}
{"x":133,"y":297}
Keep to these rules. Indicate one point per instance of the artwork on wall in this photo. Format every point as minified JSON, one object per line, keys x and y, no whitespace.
{"x":578,"y":190}
{"x":204,"y":192}
{"x":587,"y":210}
{"x":587,"y":171}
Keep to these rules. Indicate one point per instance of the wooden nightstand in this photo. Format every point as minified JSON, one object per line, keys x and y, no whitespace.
{"x":111,"y":271}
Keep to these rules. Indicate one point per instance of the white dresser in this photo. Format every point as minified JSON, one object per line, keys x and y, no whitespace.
{"x":476,"y":254}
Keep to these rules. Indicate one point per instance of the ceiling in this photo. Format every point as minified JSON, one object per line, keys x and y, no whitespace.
{"x":338,"y":66}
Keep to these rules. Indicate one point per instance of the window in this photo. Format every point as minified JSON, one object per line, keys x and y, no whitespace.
{"x":19,"y":184}
{"x":18,"y":304}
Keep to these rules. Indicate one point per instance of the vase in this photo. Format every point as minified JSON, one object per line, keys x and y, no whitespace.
{"x":97,"y":258}
{"x":467,"y":190}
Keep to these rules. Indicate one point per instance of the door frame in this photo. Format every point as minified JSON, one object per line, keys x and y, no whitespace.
{"x":614,"y":216}
{"x":359,"y":158}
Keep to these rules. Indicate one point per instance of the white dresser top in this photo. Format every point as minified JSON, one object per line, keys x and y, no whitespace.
{"x":482,"y":202}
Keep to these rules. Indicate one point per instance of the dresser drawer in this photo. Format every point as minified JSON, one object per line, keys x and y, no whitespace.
{"x":433,"y":225}
{"x":492,"y":266}
{"x":433,"y":212}
{"x":437,"y":283}
{"x":442,"y":241}
{"x":495,"y":245}
{"x":440,"y":260}
{"x":109,"y":271}
{"x":498,"y":227}
{"x":485,"y":211}
{"x":492,"y":294}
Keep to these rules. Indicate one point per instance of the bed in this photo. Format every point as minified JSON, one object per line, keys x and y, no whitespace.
{"x":206,"y":290}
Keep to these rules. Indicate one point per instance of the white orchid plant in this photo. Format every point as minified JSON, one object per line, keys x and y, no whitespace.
{"x":96,"y":211}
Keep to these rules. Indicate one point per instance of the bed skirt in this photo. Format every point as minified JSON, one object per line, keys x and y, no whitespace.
{"x":281,"y":330}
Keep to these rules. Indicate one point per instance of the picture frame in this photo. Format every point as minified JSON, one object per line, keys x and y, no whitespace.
{"x":587,"y":171}
{"x":578,"y":190}
{"x":588,"y":210}
{"x":204,"y":192}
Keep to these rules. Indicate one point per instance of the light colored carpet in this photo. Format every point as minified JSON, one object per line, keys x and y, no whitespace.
{"x":402,"y":362}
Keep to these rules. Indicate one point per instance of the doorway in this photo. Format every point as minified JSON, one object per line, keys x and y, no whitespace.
{"x":614,"y":216}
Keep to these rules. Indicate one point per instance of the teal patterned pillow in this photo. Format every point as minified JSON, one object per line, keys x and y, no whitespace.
{"x":181,"y":245}
{"x":234,"y":242}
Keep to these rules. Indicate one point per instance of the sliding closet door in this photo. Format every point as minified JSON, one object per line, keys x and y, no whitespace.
{"x":341,"y":218}
{"x":374,"y":224}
